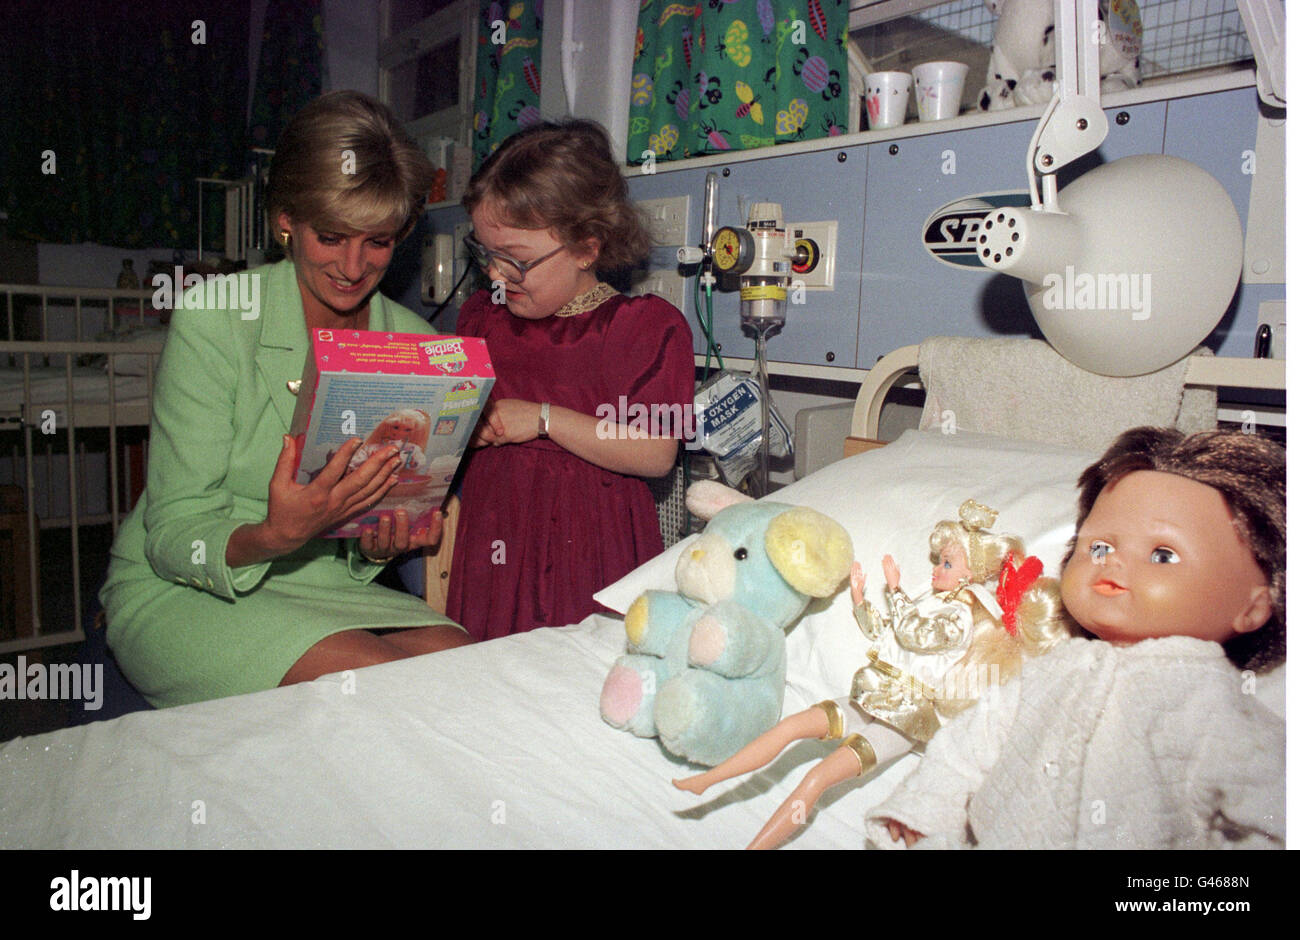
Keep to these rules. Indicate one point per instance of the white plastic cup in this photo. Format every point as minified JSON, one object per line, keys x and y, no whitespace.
{"x":939,"y":87}
{"x":887,"y":94}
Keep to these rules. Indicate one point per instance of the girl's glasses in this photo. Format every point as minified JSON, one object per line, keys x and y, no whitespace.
{"x":512,"y":270}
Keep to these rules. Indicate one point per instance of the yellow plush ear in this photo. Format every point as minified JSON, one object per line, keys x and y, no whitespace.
{"x":811,"y":551}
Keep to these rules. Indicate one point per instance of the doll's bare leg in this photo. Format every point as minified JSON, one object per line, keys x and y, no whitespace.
{"x":810,"y":723}
{"x":842,"y":765}
{"x":861,"y":754}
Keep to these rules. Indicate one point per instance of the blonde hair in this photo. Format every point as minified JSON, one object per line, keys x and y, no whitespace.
{"x":420,"y":418}
{"x":985,"y":551}
{"x":345,"y":164}
{"x":997,"y":656}
{"x":1041,"y":619}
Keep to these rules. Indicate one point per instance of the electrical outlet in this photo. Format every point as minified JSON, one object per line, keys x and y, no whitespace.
{"x":667,"y":219}
{"x":822,"y":277}
{"x":436,"y":269}
{"x":667,"y":284}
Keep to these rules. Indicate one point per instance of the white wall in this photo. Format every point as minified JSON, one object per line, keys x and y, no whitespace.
{"x":600,"y":79}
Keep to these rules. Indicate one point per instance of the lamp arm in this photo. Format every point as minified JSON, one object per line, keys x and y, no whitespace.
{"x":1073,"y":124}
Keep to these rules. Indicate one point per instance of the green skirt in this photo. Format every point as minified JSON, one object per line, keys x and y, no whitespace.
{"x":179,"y":644}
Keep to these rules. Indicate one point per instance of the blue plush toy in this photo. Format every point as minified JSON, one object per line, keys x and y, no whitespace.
{"x":705,"y":666}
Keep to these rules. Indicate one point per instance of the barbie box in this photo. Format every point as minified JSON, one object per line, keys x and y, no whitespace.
{"x":421,"y":394}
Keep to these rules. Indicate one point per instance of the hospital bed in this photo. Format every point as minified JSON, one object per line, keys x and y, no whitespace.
{"x":501,"y":745}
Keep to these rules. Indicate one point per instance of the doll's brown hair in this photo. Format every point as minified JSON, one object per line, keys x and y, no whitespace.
{"x":1250,"y":472}
{"x":562,"y":176}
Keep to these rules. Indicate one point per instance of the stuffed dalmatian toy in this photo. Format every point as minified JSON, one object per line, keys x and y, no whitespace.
{"x":1023,"y":66}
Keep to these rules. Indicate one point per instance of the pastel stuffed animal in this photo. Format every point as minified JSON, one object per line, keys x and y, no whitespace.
{"x":1023,"y":65}
{"x":705,"y":666}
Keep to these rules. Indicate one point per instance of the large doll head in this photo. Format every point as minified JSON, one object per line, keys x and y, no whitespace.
{"x":1183,"y":536}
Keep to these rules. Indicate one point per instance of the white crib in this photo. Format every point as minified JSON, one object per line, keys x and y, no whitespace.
{"x":74,"y":416}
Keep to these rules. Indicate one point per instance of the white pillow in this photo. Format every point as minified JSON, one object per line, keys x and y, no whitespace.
{"x":889,"y":500}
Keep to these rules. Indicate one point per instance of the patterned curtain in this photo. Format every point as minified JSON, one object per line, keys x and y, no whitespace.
{"x":290,"y":67}
{"x":736,"y":74}
{"x":108,"y":112}
{"x":507,"y":75}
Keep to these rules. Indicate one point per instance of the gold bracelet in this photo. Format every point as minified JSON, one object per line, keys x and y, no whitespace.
{"x":862,"y":748}
{"x":834,"y":720}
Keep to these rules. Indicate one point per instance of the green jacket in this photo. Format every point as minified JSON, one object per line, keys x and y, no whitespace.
{"x":221,"y":406}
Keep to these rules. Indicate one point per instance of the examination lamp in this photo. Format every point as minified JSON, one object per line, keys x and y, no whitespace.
{"x":1132,"y":265}
{"x":1134,"y":268}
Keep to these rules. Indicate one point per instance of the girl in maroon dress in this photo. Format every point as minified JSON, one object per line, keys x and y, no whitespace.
{"x":593,"y":390}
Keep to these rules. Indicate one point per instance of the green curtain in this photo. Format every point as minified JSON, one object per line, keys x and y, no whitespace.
{"x":736,"y":74}
{"x":507,"y":76}
{"x":290,"y":67}
{"x":108,"y":112}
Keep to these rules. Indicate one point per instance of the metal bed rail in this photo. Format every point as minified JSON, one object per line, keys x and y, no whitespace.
{"x":44,"y":416}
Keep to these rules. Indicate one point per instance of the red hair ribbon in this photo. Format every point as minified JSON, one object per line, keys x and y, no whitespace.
{"x":1012,"y":584}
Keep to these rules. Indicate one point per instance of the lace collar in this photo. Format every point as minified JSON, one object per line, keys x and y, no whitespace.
{"x":587,"y":301}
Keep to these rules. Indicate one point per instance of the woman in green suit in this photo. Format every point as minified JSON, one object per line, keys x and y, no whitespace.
{"x":218,"y":582}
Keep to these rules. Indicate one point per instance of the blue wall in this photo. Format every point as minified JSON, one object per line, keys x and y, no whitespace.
{"x":888,"y":291}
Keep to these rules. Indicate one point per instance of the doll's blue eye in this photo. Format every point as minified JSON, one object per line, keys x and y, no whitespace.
{"x":1099,"y":550}
{"x":741,"y":554}
{"x":1164,"y":556}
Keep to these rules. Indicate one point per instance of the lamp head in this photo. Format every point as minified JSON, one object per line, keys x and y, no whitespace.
{"x":1133,"y":271}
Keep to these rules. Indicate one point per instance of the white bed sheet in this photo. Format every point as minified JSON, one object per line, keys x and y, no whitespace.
{"x":416,"y":757}
{"x":501,"y":745}
{"x":49,"y":388}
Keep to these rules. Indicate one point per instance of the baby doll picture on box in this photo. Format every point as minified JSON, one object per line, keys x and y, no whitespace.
{"x":419,"y":393}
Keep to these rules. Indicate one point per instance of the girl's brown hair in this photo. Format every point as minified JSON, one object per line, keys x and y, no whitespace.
{"x":345,"y":164}
{"x":562,"y":176}
{"x":1250,"y":472}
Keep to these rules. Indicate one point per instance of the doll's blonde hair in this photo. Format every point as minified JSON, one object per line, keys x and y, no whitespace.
{"x":421,"y":419}
{"x":995,"y":655}
{"x":984,"y":550}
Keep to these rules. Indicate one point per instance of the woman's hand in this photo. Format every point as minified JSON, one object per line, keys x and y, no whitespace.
{"x":898,"y":831}
{"x":297,"y":513}
{"x":393,"y":536}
